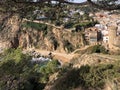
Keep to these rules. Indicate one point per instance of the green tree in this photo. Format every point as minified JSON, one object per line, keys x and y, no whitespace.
{"x":47,"y":70}
{"x":17,"y":73}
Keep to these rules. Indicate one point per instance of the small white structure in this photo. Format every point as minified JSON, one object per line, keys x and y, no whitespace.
{"x":101,"y":27}
{"x":82,"y":12}
{"x":106,"y":39}
{"x":104,"y":32}
{"x":66,"y":19}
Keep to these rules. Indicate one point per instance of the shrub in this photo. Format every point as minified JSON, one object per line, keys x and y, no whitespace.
{"x":14,"y":54}
{"x":37,"y":26}
{"x":49,"y":69}
{"x":67,"y":81}
{"x":88,"y":77}
{"x":68,"y":46}
{"x":86,"y":24}
{"x":68,"y":24}
{"x":58,"y":23}
{"x":99,"y":49}
{"x":17,"y":73}
{"x":95,"y":49}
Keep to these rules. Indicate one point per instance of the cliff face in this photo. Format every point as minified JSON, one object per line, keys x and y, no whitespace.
{"x":9,"y":28}
{"x":13,"y":34}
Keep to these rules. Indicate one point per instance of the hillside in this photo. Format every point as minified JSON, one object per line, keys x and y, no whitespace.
{"x":66,"y":64}
{"x":25,"y":34}
{"x":90,"y":72}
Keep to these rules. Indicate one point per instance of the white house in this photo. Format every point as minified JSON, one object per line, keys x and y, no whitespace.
{"x":104,"y":32}
{"x":106,"y":38}
{"x":101,"y":27}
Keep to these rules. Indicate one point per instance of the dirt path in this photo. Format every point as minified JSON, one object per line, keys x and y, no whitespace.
{"x":81,"y":48}
{"x":63,"y":57}
{"x":42,"y":22}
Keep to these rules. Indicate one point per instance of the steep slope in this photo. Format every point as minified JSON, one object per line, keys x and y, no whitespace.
{"x":18,"y":33}
{"x":9,"y":29}
{"x":106,"y":68}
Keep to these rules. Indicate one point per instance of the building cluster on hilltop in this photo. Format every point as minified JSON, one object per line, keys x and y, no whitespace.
{"x":107,"y":32}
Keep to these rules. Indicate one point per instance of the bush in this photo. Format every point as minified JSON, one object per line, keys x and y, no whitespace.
{"x":98,"y":49}
{"x":17,"y":73}
{"x":68,"y":25}
{"x":49,"y":69}
{"x":94,"y":49}
{"x":37,"y":26}
{"x":88,"y":77}
{"x":14,"y":54}
{"x":58,"y":23}
{"x":86,"y":24}
{"x":68,"y":46}
{"x":67,"y":81}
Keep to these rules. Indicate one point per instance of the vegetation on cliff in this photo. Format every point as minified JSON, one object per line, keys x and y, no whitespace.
{"x":18,"y":73}
{"x":93,"y":49}
{"x":88,"y":77}
{"x":36,"y":26}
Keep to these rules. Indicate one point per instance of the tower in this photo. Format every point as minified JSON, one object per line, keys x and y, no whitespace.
{"x":112,"y":35}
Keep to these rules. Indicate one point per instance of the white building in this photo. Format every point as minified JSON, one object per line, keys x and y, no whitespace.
{"x":104,"y":32}
{"x":106,"y":39}
{"x":101,"y":27}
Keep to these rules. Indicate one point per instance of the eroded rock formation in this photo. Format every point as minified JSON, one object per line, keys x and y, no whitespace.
{"x":13,"y":34}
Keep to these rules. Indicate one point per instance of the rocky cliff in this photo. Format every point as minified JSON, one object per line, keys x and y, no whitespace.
{"x":14,"y":33}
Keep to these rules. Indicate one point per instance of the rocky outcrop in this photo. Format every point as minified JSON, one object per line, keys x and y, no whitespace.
{"x":9,"y":31}
{"x":14,"y":34}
